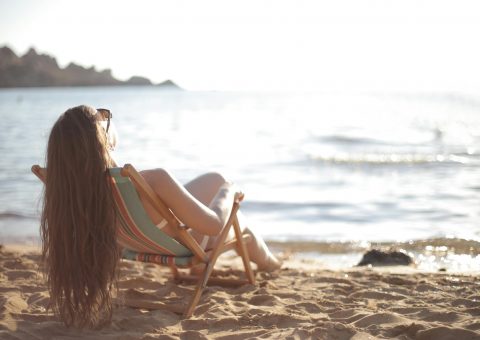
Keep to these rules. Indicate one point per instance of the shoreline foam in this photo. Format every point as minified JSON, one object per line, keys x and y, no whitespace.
{"x":453,"y":255}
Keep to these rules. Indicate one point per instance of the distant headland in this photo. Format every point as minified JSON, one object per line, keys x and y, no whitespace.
{"x":41,"y":70}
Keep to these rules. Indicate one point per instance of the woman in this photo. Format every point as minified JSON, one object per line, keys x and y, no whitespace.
{"x":78,"y":224}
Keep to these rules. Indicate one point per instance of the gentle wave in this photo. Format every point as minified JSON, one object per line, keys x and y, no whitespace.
{"x":395,"y":159}
{"x":253,"y":205}
{"x":432,"y":246}
{"x":350,"y":140}
{"x":14,"y":215}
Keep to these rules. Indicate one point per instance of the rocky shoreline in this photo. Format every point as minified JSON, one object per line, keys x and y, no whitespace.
{"x":42,"y":70}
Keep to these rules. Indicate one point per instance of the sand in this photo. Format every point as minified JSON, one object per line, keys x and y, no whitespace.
{"x":303,"y":300}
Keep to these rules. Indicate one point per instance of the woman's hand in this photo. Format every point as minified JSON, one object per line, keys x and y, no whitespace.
{"x":232,"y":187}
{"x":239,"y":195}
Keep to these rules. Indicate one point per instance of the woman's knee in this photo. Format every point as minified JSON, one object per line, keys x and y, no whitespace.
{"x":205,"y":187}
{"x":215,"y":178}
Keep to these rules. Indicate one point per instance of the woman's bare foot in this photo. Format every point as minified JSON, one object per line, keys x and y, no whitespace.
{"x":270,"y":265}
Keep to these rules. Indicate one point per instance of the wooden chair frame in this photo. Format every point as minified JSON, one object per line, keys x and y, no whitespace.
{"x":208,"y":258}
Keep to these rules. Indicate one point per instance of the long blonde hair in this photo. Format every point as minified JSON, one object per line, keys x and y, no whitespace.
{"x":78,"y":227}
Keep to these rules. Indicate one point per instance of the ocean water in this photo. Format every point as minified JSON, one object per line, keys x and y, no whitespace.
{"x":330,"y":168}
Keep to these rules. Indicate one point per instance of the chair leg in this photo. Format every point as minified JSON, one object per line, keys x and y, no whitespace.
{"x":194,"y":301}
{"x":175,"y":272}
{"x":243,"y":251}
{"x":202,"y":282}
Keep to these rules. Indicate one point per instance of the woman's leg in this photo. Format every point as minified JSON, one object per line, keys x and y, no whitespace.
{"x":257,"y":248}
{"x":204,"y":188}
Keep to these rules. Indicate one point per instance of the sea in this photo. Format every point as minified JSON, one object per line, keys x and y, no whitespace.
{"x":325,"y":174}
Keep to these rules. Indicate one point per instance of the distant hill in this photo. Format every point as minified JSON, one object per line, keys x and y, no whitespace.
{"x":41,"y":70}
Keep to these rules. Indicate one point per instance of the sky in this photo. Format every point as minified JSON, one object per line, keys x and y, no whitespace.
{"x":224,"y":45}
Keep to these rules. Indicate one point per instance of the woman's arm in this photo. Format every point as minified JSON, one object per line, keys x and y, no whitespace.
{"x":206,"y":220}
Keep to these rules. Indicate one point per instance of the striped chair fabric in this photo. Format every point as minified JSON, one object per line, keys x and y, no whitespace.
{"x":141,"y":239}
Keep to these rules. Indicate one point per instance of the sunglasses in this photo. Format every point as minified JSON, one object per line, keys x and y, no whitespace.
{"x":106,"y":114}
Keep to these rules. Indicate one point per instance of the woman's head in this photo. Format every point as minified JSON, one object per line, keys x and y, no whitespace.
{"x":82,"y":129}
{"x":78,"y":219}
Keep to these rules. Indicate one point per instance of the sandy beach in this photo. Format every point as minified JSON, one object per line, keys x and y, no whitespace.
{"x":303,"y":300}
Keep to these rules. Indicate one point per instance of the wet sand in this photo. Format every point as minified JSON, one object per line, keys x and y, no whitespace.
{"x":303,"y":300}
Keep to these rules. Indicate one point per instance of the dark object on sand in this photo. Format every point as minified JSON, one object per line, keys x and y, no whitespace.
{"x":381,"y":258}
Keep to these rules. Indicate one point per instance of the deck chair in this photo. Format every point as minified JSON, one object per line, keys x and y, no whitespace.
{"x":151,"y":244}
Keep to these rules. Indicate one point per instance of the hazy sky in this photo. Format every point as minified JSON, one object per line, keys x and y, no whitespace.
{"x":260,"y":45}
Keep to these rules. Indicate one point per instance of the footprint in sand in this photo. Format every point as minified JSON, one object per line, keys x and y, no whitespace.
{"x":308,"y":307}
{"x":262,"y":300}
{"x":19,"y":264}
{"x":444,"y":317}
{"x":376,"y":295}
{"x":380,"y":318}
{"x":12,"y":302}
{"x":446,"y":333}
{"x":20,"y":274}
